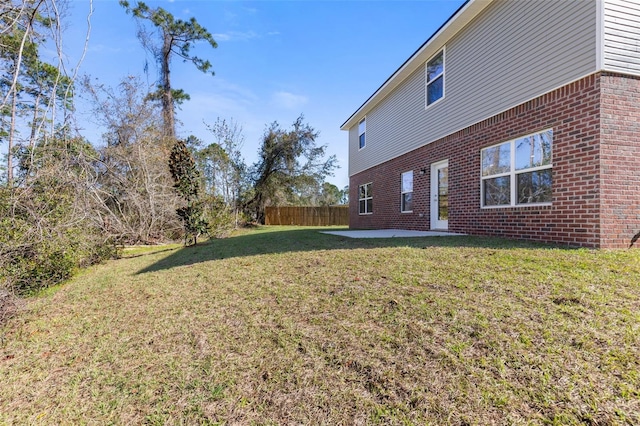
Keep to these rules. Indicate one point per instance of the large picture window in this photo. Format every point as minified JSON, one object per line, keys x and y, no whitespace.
{"x":362,"y":127}
{"x":365,"y":199}
{"x":435,"y":79}
{"x":407,"y":192}
{"x":518,"y":172}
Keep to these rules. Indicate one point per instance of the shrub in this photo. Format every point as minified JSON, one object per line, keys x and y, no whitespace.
{"x":219,"y":216}
{"x":42,"y":241}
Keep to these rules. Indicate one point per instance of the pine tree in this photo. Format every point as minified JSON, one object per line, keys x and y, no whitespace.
{"x":177,"y":37}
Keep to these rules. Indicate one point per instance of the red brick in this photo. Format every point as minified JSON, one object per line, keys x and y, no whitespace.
{"x":596,"y":177}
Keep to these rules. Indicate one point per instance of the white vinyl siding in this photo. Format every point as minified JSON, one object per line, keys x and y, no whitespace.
{"x":513,"y":51}
{"x":622,"y":36}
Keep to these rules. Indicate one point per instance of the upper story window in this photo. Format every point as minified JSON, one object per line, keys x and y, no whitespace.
{"x":406,"y":202}
{"x":365,"y":199}
{"x":435,"y":78}
{"x":517,"y":172}
{"x":362,"y":127}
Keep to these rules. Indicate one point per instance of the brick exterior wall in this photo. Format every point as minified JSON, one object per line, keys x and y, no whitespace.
{"x":620,"y":160}
{"x":595,"y":190}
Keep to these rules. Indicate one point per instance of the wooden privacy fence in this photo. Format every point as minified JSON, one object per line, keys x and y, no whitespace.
{"x":307,"y":216}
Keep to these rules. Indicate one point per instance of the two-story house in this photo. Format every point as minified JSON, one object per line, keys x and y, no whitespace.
{"x":517,"y":118}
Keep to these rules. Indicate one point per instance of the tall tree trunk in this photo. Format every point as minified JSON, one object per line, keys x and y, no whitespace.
{"x":14,"y":90}
{"x":34,"y":128}
{"x":12,"y":133}
{"x":167,"y":96}
{"x":34,"y":123}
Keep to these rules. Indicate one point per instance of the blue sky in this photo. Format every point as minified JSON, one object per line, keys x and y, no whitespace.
{"x":275,"y":60}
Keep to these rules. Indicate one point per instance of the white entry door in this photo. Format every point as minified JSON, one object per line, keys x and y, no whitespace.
{"x":440,"y":195}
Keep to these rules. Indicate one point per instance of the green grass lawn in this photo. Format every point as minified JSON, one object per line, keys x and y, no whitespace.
{"x":284,"y":325}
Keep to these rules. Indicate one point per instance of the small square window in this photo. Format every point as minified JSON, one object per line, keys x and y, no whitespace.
{"x":533,"y":151}
{"x":497,"y":191}
{"x":496,"y":159}
{"x":534,"y":187}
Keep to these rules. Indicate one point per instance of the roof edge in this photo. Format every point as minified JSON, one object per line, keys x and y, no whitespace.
{"x":458,"y":20}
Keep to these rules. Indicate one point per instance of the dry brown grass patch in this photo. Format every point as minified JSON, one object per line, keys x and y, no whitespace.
{"x":286,"y":326}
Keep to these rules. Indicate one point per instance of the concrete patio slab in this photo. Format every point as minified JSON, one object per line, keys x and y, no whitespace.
{"x":390,"y":233}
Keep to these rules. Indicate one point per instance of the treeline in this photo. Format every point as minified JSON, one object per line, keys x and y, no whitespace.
{"x":66,"y":202}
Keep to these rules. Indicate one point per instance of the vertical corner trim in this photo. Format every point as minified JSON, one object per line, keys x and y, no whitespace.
{"x":600,"y":11}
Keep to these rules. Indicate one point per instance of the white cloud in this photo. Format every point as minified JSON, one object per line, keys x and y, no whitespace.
{"x":211,"y":104}
{"x":288,"y":100}
{"x":223,"y":98}
{"x":236,"y":36}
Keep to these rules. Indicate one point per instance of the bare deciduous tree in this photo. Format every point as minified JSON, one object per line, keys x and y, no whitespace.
{"x":47,"y":229}
{"x":133,"y":195}
{"x":223,"y":168}
{"x":32,"y":92}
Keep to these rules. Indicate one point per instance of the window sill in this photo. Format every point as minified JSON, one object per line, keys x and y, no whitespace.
{"x":516,"y":206}
{"x":426,"y":107}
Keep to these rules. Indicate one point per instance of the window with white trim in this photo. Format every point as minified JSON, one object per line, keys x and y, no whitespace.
{"x":406,"y":189}
{"x":362,"y":127}
{"x":365,"y":199}
{"x":517,"y":172}
{"x":435,"y":79}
